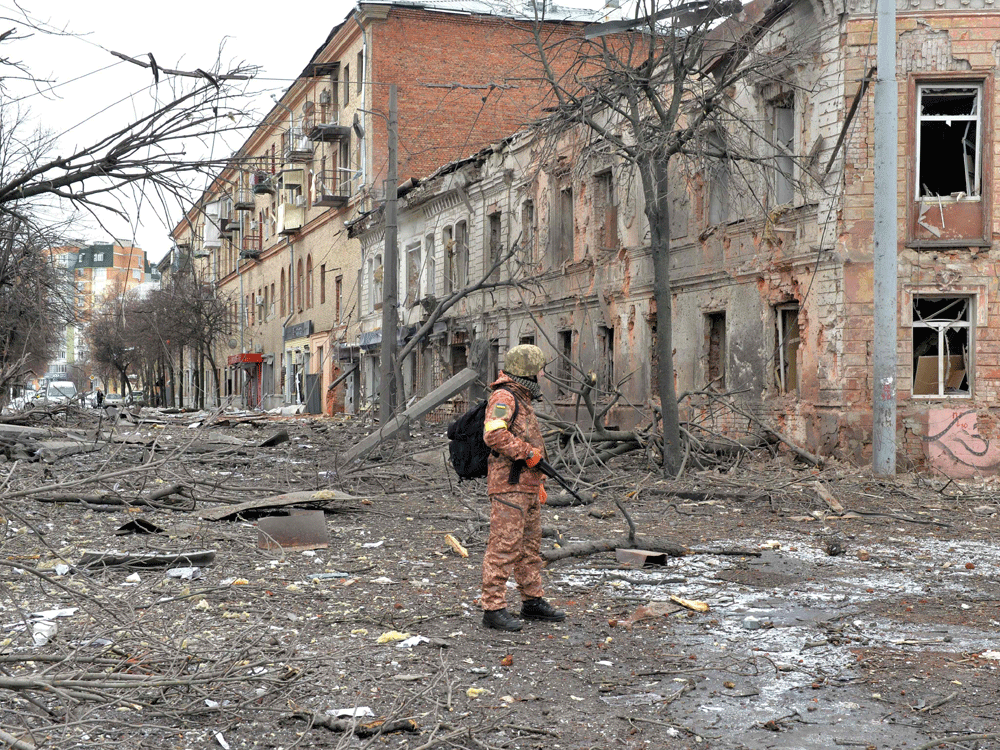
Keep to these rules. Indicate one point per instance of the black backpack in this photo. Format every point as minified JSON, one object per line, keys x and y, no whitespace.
{"x":469,"y":453}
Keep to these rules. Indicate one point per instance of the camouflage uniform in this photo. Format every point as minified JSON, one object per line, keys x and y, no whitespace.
{"x":515,"y":532}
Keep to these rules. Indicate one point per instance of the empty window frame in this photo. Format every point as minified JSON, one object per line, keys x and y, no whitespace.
{"x":606,"y":339}
{"x":528,"y":229}
{"x":461,"y":256}
{"x":563,"y":244}
{"x":347,"y":85}
{"x":782,"y":117}
{"x":359,"y":70}
{"x":564,"y":368}
{"x":786,"y":360}
{"x":715,"y":331}
{"x":528,"y":338}
{"x":948,"y":140}
{"x":606,"y":210}
{"x":412,"y":274}
{"x":942,"y":342}
{"x":719,"y":176}
{"x":338,"y":291}
{"x":430,"y":266}
{"x":377,"y":275}
{"x":448,"y":253}
{"x":496,"y":237}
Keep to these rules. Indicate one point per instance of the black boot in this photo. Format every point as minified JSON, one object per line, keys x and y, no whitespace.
{"x":501,"y":619}
{"x":539,"y":609}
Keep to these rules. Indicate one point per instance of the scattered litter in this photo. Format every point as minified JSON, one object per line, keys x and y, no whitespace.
{"x":212,"y":704}
{"x":328,"y":576}
{"x":373,"y":545}
{"x":185,"y":574}
{"x":352,"y":713}
{"x":412,"y":641}
{"x":691,"y":604}
{"x":61,"y":569}
{"x":221,"y":740}
{"x":133,"y":578}
{"x":382,"y":581}
{"x":139,"y":526}
{"x":476,"y":692}
{"x":456,"y":545}
{"x":751,"y":623}
{"x":50,"y":614}
{"x":994,"y":655}
{"x":392,"y":635}
{"x":43,"y":631}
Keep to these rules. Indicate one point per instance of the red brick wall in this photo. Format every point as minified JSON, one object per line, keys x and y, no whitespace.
{"x":421,"y":51}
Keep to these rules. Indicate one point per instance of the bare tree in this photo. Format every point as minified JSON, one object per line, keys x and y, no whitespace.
{"x":158,"y":155}
{"x":640,"y":88}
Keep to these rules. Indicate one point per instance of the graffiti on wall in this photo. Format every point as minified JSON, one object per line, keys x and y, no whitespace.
{"x":962,"y":443}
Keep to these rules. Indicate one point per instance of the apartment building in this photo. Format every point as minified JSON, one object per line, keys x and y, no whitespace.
{"x":272,"y":231}
{"x":92,"y":273}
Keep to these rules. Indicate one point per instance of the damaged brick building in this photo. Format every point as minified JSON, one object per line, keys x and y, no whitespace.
{"x":771,"y":259}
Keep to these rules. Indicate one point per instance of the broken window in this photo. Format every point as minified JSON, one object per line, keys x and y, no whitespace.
{"x":606,"y":338}
{"x":528,"y":230}
{"x":605,"y":210}
{"x":564,"y":370}
{"x":377,"y":273}
{"x":459,"y":358}
{"x":430,"y":272}
{"x":496,"y":238}
{"x":948,"y":140}
{"x":461,"y":255}
{"x":412,"y":275}
{"x":448,"y":251}
{"x":715,"y":324}
{"x":782,"y":114}
{"x":942,"y":331}
{"x":527,"y":339}
{"x":338,"y":291}
{"x":718,"y":175}
{"x":563,"y":241}
{"x":787,"y":358}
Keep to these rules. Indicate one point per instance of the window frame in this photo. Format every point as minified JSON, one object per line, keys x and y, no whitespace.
{"x":969,"y":324}
{"x":919,"y":119}
{"x":781,"y":370}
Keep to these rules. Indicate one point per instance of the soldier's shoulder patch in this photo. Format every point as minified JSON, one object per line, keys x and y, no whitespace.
{"x":500,"y":411}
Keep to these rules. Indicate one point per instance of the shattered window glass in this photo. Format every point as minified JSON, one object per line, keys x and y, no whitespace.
{"x":948,"y":144}
{"x":941,"y":346}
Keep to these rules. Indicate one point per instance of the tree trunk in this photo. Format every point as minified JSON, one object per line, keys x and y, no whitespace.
{"x":654,"y":173}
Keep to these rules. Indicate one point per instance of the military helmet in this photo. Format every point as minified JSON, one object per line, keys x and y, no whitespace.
{"x":524,"y":361}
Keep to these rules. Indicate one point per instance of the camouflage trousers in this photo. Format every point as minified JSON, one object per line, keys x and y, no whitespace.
{"x":513,"y":548}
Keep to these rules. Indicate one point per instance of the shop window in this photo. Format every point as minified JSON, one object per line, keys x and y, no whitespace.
{"x":786,"y":363}
{"x":942,"y":332}
{"x":948,"y":141}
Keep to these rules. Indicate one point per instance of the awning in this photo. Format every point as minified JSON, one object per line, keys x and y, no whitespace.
{"x":245,"y":358}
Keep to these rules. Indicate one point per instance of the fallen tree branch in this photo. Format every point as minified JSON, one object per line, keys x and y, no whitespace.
{"x":360,"y":729}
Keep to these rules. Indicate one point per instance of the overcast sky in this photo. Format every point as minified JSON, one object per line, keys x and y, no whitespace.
{"x":279,"y":37}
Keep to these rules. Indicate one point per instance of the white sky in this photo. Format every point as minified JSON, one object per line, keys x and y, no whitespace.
{"x":279,"y":37}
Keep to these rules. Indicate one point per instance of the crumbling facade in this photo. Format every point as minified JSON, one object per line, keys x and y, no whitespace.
{"x":772,"y":275}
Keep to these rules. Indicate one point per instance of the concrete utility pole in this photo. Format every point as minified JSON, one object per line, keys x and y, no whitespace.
{"x":390,"y":292}
{"x":885,"y":261}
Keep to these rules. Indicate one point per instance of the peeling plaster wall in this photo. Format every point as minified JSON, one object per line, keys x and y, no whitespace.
{"x":956,"y":436}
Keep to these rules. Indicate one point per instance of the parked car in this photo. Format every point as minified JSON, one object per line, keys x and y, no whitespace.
{"x":60,"y":391}
{"x":112,"y":399}
{"x":137,"y":397}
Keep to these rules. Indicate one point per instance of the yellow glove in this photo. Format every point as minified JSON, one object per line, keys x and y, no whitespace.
{"x":533,"y":459}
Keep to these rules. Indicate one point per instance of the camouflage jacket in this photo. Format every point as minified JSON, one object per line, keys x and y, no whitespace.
{"x":511,"y":442}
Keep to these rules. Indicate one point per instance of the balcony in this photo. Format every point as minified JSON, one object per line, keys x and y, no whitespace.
{"x":262,"y":184}
{"x":295,"y":146}
{"x":244,"y":200}
{"x":229,"y":226}
{"x":329,"y":132}
{"x":291,"y":178}
{"x":328,"y":190}
{"x":291,"y":217}
{"x":250,"y":247}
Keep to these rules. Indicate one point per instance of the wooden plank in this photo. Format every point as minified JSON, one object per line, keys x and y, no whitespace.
{"x":431,"y":401}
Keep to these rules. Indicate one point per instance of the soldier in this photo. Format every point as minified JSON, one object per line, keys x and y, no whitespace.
{"x":517,"y":491}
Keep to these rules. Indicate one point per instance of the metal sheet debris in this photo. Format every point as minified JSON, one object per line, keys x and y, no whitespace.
{"x":299,"y":530}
